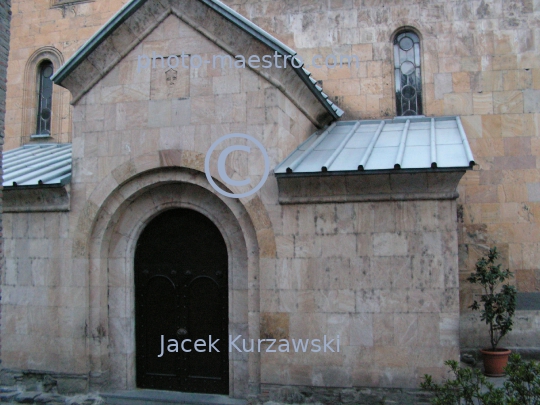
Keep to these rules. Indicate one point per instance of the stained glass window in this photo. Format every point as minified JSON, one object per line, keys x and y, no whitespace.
{"x":45,"y":98}
{"x":407,"y":74}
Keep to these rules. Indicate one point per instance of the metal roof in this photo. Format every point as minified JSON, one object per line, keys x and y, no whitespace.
{"x":239,"y":20}
{"x":401,"y":143}
{"x":37,"y":164}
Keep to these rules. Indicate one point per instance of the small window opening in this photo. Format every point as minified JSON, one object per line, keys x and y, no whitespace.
{"x":407,"y":74}
{"x":44,"y":111}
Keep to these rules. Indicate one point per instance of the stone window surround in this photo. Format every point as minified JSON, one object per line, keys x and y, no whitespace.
{"x":31,"y":91}
{"x":120,"y":221}
{"x":393,"y":36}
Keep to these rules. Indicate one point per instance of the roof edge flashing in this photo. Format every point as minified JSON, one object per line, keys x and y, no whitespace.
{"x":395,"y":170}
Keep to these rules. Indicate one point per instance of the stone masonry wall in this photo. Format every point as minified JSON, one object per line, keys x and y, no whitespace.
{"x":130,"y":116}
{"x":5,"y":18}
{"x":35,"y":26}
{"x":43,"y":305}
{"x":479,"y":60}
{"x":381,"y":275}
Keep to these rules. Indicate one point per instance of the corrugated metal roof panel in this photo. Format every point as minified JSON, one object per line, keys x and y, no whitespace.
{"x":401,"y":143}
{"x":32,"y":165}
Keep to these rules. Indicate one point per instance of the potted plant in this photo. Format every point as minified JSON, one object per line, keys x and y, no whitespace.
{"x":498,"y":304}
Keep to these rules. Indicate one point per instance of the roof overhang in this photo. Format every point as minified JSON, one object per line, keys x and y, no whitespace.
{"x":46,"y":164}
{"x":407,"y":158}
{"x":137,"y":18}
{"x":37,"y":178}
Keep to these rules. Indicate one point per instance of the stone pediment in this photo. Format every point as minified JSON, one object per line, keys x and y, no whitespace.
{"x":218,"y":23}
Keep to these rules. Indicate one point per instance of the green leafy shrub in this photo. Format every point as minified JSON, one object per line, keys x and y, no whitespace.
{"x":523,"y":384}
{"x":499,"y":303}
{"x":469,"y":386}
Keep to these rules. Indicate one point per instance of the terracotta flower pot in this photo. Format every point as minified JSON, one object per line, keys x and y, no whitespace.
{"x":495,"y":361}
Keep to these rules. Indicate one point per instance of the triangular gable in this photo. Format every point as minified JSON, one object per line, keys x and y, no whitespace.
{"x":219,"y":23}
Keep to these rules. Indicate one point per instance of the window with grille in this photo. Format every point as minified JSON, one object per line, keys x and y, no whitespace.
{"x":407,"y":74}
{"x":44,"y":111}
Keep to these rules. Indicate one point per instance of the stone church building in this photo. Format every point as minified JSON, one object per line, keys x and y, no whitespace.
{"x":194,"y":189}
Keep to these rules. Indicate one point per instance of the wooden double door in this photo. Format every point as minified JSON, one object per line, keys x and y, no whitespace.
{"x":181,"y":295}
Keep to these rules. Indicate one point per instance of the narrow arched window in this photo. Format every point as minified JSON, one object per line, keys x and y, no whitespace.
{"x":44,"y":110}
{"x":407,"y":74}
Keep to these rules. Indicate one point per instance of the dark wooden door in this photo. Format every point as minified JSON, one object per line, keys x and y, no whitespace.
{"x":181,"y":292}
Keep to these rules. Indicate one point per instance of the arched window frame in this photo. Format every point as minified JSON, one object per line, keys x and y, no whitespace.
{"x":44,"y":101}
{"x":30,"y":102}
{"x":408,"y":85}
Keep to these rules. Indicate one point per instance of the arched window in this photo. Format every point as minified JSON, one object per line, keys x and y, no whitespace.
{"x":407,"y":74}
{"x":44,"y":108}
{"x":45,"y":117}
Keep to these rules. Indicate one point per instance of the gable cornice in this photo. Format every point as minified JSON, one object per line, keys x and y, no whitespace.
{"x":96,"y":39}
{"x":138,"y":18}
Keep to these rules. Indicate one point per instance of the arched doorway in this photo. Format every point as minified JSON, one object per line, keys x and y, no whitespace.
{"x":181,"y":296}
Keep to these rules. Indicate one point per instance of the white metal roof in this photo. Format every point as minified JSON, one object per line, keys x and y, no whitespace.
{"x":37,"y":164}
{"x":401,"y":143}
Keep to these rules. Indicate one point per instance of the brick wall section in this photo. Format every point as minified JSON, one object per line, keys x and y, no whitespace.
{"x":5,"y":17}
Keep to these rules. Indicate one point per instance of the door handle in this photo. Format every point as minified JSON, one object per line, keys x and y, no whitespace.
{"x":181,"y":332}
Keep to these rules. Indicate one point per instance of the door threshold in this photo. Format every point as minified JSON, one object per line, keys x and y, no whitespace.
{"x":158,"y":397}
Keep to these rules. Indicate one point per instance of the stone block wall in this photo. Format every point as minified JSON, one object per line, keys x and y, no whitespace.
{"x":44,"y":302}
{"x":5,"y":19}
{"x":126,"y":125}
{"x":130,"y":113}
{"x":381,"y":275}
{"x":35,"y":27}
{"x":480,"y":61}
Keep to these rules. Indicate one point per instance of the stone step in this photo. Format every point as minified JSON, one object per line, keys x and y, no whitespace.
{"x":156,"y":397}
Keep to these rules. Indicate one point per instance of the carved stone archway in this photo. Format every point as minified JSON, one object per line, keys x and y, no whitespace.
{"x":120,"y":220}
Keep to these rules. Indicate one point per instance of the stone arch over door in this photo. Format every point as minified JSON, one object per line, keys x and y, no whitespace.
{"x":120,"y":221}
